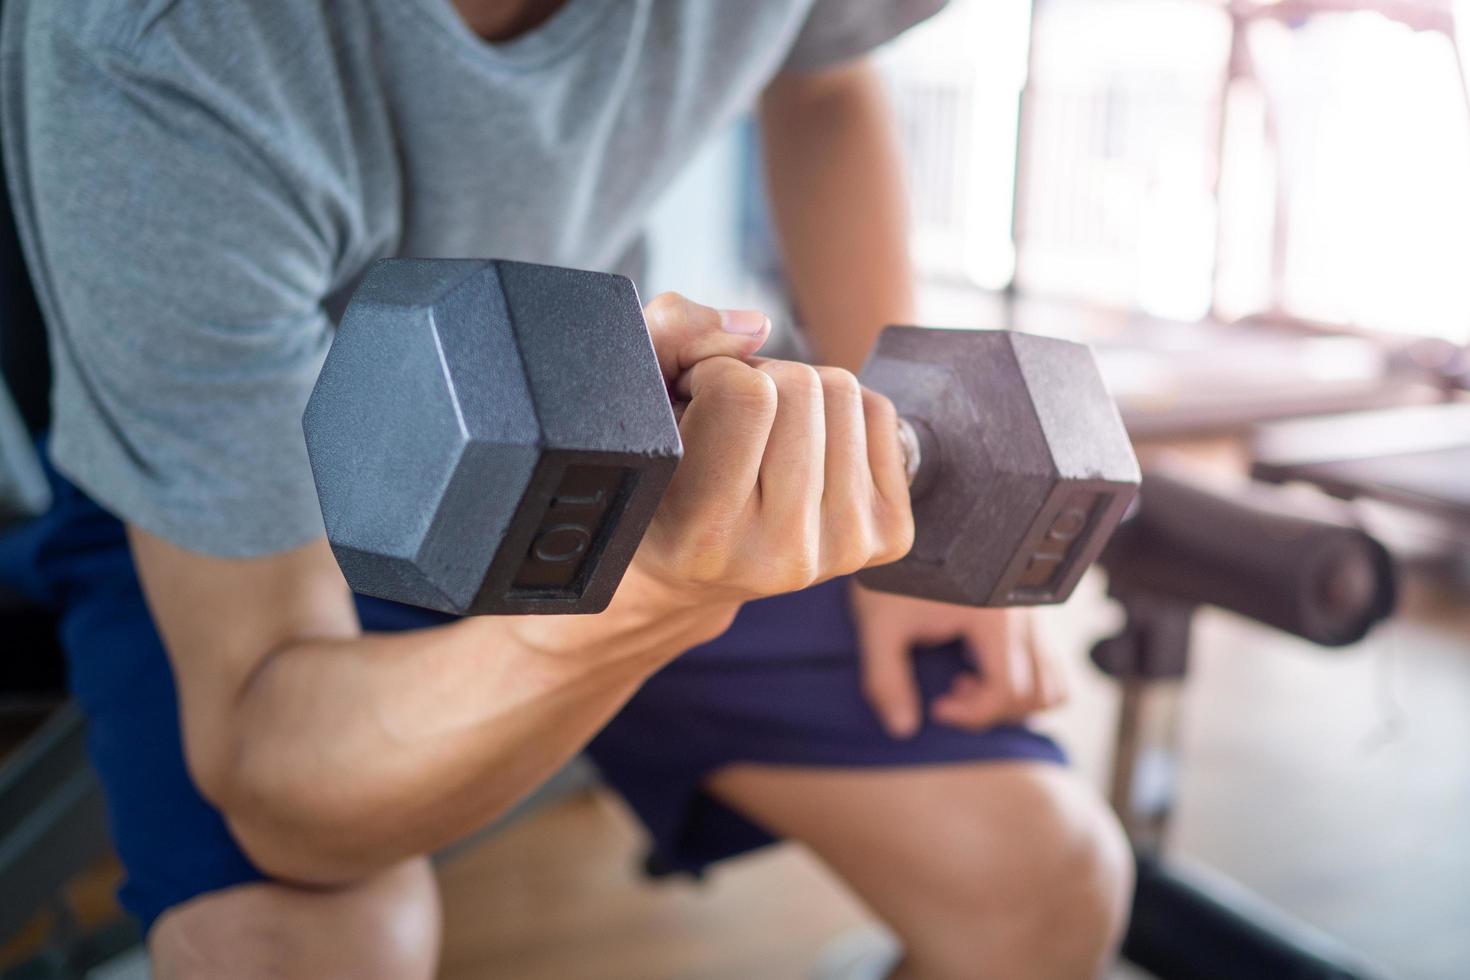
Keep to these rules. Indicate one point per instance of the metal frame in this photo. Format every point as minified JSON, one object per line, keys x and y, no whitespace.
{"x":1188,"y":924}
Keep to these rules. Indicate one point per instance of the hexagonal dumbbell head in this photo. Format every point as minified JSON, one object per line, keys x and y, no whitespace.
{"x":1033,"y":468}
{"x":489,"y":436}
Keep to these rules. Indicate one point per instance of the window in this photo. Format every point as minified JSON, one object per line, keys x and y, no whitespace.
{"x":1322,"y":172}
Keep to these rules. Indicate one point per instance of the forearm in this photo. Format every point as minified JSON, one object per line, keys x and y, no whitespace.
{"x":333,"y":753}
{"x":835,"y":182}
{"x":431,"y":733}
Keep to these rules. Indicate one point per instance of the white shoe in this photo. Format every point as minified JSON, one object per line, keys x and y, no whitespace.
{"x":869,"y":953}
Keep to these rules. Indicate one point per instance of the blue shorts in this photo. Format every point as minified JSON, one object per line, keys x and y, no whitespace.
{"x":780,"y":687}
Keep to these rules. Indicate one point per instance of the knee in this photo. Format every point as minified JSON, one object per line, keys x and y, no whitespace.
{"x":1042,"y":892}
{"x":387,"y":927}
{"x":1080,"y":880}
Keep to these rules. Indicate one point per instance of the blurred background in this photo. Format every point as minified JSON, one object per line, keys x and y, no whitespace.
{"x":1259,"y":216}
{"x":1288,"y":161}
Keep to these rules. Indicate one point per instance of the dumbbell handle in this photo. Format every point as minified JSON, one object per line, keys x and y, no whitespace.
{"x":920,"y":450}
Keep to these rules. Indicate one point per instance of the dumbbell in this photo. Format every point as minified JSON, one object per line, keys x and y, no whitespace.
{"x":493,"y":437}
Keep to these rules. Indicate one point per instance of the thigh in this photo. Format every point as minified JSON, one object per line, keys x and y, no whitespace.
{"x":918,"y":842}
{"x":781,"y":689}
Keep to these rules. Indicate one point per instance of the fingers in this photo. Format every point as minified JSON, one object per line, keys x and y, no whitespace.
{"x":792,"y":472}
{"x":971,"y":703}
{"x":685,"y":333}
{"x":1017,"y":678}
{"x":1051,"y":676}
{"x":778,"y":480}
{"x":725,"y":427}
{"x":795,"y":458}
{"x":888,"y":682}
{"x":892,"y":510}
{"x":848,"y":531}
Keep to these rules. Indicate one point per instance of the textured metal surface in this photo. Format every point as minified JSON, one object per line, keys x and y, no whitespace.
{"x":456,"y":396}
{"x":1030,"y":472}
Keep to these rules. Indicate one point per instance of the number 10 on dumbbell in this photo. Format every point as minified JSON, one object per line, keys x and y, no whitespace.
{"x":493,"y":437}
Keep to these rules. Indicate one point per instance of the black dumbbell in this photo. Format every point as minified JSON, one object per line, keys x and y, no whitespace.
{"x":493,"y":437}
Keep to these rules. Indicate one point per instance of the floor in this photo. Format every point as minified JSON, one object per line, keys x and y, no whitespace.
{"x":560,"y":897}
{"x":1346,"y":795}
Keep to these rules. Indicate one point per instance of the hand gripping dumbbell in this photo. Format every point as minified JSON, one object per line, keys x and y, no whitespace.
{"x":493,"y":437}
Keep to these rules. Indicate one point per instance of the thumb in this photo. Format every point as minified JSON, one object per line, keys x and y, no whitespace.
{"x":888,"y":682}
{"x":685,"y":332}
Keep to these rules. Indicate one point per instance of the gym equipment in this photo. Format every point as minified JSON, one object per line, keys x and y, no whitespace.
{"x":492,"y":437}
{"x":1020,"y":465}
{"x":1267,"y":559}
{"x":1414,"y":458}
{"x":489,"y":436}
{"x":1255,"y":555}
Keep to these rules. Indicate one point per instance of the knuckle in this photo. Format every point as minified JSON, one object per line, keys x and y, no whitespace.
{"x":896,"y":538}
{"x":662,"y":306}
{"x":741,"y":383}
{"x":804,"y":575}
{"x":839,"y":383}
{"x":854,"y":552}
{"x":756,"y":389}
{"x":794,"y":380}
{"x":879,"y":407}
{"x":795,"y":572}
{"x":701,"y":557}
{"x":669,"y":310}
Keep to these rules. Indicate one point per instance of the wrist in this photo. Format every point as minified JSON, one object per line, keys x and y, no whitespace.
{"x":647,"y":624}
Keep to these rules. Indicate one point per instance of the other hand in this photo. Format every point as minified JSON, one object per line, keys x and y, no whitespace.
{"x":1016,"y":676}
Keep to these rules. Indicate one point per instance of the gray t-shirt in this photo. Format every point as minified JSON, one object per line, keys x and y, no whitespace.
{"x":199,"y":185}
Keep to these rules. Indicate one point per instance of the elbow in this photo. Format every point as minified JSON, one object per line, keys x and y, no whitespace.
{"x":310,"y":853}
{"x":293,"y":829}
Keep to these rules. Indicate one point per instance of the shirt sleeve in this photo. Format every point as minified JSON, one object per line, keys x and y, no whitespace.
{"x":840,"y":30}
{"x":183,"y":274}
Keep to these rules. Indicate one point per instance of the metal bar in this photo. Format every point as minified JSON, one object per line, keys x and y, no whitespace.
{"x":1146,"y":761}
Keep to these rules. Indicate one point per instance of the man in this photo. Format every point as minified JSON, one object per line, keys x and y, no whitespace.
{"x":200,"y":185}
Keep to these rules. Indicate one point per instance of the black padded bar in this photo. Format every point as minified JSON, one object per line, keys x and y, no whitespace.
{"x":1266,"y":560}
{"x":1195,"y":926}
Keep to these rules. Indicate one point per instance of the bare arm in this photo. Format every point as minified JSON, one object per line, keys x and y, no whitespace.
{"x":333,"y":752}
{"x":834,"y":177}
